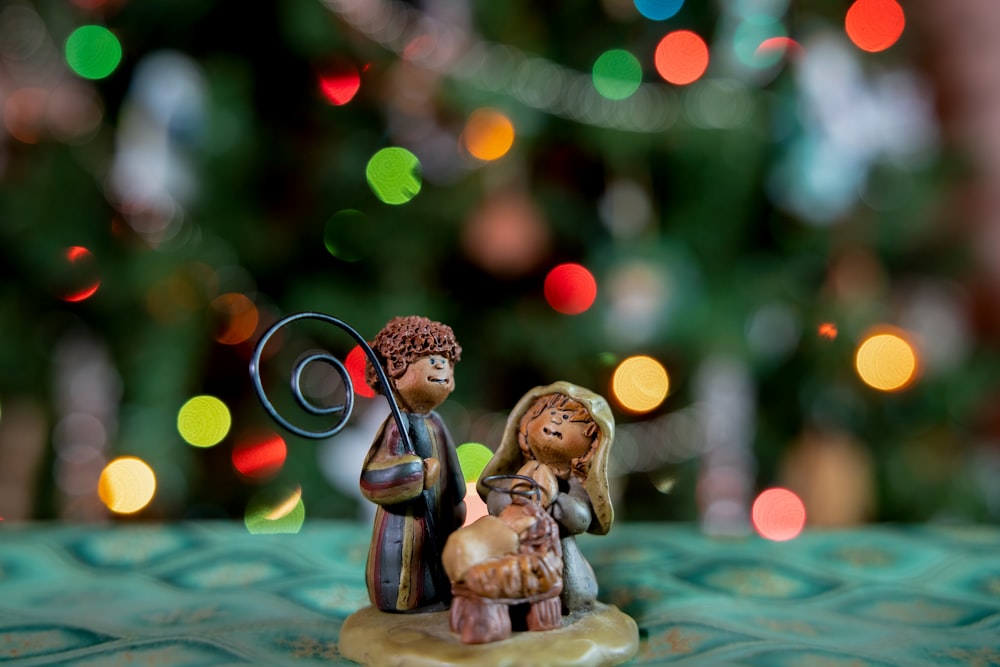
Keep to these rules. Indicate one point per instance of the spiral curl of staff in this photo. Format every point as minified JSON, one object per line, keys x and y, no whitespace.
{"x":296,"y":381}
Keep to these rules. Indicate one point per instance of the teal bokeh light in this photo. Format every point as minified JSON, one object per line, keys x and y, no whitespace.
{"x":658,"y":10}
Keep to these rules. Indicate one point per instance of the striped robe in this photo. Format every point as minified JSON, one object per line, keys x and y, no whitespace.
{"x":404,"y":571}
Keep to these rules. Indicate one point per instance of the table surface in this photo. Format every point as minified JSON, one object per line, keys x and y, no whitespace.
{"x":211,"y":594}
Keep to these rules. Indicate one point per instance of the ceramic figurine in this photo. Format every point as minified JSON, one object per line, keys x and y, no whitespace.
{"x":506,"y":570}
{"x":560,"y":435}
{"x":419,"y":490}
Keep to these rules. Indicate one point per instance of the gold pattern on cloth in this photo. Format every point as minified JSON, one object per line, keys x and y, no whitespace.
{"x":310,"y":647}
{"x":788,"y":627}
{"x":918,"y":612}
{"x":675,"y":641}
{"x":865,"y":557}
{"x":184,"y":616}
{"x":750,"y":580}
{"x":981,"y":657}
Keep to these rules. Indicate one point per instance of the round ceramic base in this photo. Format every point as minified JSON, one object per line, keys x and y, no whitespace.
{"x":601,"y":637}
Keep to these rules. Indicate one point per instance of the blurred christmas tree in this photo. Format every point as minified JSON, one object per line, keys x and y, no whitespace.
{"x":756,"y":190}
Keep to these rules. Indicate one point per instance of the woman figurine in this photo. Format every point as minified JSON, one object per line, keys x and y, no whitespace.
{"x":419,"y":490}
{"x":561,"y":432}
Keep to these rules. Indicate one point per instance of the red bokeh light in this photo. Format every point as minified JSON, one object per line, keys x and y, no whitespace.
{"x":340,"y":83}
{"x":875,"y":25}
{"x":778,"y":514}
{"x":261,"y":457}
{"x":681,"y":57}
{"x":570,"y":289}
{"x":78,"y":255}
{"x":355,"y":365}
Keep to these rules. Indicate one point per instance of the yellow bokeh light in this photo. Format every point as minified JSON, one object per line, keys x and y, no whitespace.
{"x":203,"y":421}
{"x":127,"y":485}
{"x":886,"y":361}
{"x":640,"y":383}
{"x":488,"y":134}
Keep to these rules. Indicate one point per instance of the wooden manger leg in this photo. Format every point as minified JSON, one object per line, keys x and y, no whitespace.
{"x":545,"y":614}
{"x":479,"y":621}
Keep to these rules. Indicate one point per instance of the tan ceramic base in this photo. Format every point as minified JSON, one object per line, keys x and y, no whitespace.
{"x":599,"y":638}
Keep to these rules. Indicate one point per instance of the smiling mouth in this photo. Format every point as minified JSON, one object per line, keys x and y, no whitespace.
{"x":548,"y":431}
{"x":438,"y":380}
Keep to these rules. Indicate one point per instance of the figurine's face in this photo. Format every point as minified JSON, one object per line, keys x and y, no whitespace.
{"x":555,"y":440}
{"x":426,"y":383}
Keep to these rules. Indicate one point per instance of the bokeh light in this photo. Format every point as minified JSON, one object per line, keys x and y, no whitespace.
{"x":886,"y":361}
{"x":127,"y":485}
{"x":570,"y":289}
{"x":488,"y":134}
{"x":875,"y":25}
{"x":83,"y":270}
{"x":237,"y":318}
{"x":394,"y":175}
{"x":355,"y":363}
{"x":93,"y":51}
{"x":681,"y":57}
{"x":24,"y":113}
{"x":340,"y":83}
{"x":640,"y":383}
{"x":827,"y":330}
{"x":475,"y":507}
{"x":203,"y":421}
{"x":261,"y":457}
{"x":617,"y":74}
{"x":348,"y":235}
{"x":658,"y":10}
{"x":274,"y":511}
{"x":473,"y":457}
{"x":751,"y":35}
{"x":778,"y":514}
{"x":775,"y":48}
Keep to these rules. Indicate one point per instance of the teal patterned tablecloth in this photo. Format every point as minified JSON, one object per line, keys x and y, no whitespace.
{"x":212,"y":594}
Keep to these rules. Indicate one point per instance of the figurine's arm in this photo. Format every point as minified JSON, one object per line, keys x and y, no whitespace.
{"x":572,"y":510}
{"x":390,"y":476}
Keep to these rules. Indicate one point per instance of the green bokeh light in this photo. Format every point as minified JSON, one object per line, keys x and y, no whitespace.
{"x":93,"y":51}
{"x":617,"y":74}
{"x":473,"y":457}
{"x":394,"y":175}
{"x":348,"y":235}
{"x":267,"y":514}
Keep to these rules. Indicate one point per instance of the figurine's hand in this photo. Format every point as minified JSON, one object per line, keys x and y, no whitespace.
{"x":572,"y":513}
{"x":432,"y":471}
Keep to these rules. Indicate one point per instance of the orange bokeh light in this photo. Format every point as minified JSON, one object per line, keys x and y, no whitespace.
{"x":875,"y":25}
{"x":778,"y":514}
{"x":238,"y":318}
{"x":827,"y":330}
{"x":488,"y":134}
{"x":681,"y":57}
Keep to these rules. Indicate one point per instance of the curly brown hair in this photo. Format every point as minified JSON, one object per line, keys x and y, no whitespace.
{"x":580,"y":414}
{"x":403,"y":340}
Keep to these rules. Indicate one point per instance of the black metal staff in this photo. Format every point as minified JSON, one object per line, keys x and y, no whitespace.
{"x":345,"y":376}
{"x":346,"y":408}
